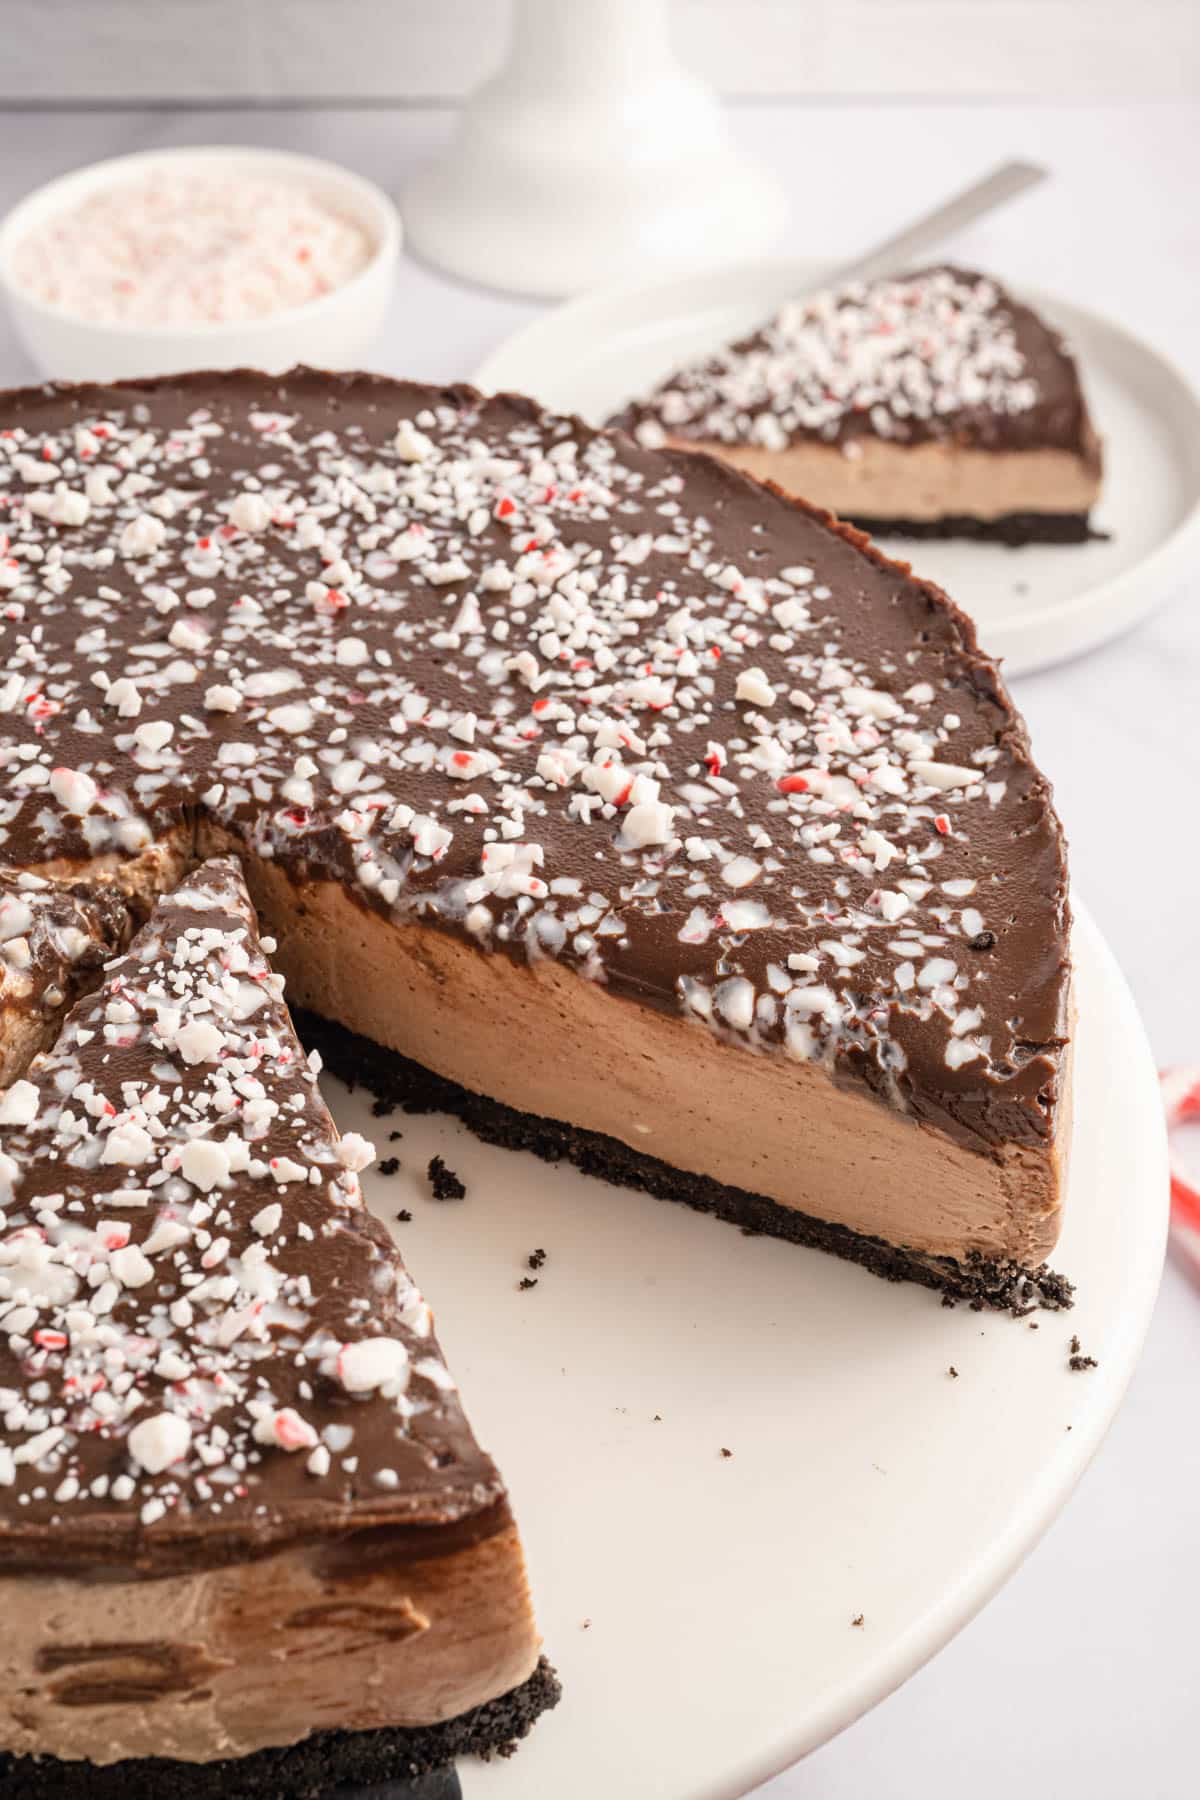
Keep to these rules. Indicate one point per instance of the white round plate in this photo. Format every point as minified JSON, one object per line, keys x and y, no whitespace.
{"x":701,"y":1608}
{"x":1033,"y":606}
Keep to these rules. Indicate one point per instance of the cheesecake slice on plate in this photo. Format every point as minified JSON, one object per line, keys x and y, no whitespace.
{"x":248,"y":1543}
{"x":926,"y":405}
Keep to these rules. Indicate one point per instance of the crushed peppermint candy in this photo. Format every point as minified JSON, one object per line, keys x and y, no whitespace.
{"x":170,"y":1336}
{"x":205,"y":243}
{"x":904,"y":357}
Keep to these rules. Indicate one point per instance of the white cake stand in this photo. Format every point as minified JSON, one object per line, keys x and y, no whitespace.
{"x":590,"y":155}
{"x":701,"y":1609}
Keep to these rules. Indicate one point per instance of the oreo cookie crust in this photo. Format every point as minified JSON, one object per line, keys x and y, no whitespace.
{"x":1013,"y":529}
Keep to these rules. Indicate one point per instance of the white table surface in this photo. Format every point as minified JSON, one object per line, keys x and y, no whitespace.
{"x":1081,"y":1675}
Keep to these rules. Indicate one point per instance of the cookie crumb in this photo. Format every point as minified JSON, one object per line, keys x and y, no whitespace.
{"x":404,"y":1217}
{"x":1078,"y":1361}
{"x":527,"y":1281}
{"x":536,"y":1258}
{"x":394,"y":1137}
{"x":587,"y":1625}
{"x":858,"y":1622}
{"x":389,"y":1165}
{"x":952,"y":1371}
{"x":725,"y":1452}
{"x":445,"y":1183}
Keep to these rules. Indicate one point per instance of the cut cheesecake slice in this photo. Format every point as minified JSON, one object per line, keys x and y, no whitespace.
{"x":925,"y":405}
{"x":248,"y":1542}
{"x":642,"y":814}
{"x":54,"y":937}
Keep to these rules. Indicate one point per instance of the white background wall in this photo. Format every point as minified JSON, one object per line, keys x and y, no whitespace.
{"x":387,"y":50}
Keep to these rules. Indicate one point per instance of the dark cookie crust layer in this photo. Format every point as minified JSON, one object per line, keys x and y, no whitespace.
{"x":408,"y":1764}
{"x":1013,"y":529}
{"x":395,"y":1081}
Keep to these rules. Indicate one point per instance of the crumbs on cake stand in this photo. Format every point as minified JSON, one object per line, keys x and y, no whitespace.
{"x":445,"y":1183}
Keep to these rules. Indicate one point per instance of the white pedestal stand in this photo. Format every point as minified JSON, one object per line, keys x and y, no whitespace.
{"x":591,"y":157}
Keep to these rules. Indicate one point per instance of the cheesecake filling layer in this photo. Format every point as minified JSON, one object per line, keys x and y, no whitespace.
{"x":665,"y":1086}
{"x":225,"y":1661}
{"x":869,"y":479}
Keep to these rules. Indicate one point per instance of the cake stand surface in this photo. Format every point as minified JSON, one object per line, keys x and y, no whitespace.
{"x":713,"y":1617}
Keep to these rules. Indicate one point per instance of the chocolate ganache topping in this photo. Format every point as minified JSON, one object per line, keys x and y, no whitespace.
{"x":941,"y":354}
{"x":546,"y":688}
{"x":202,"y":1329}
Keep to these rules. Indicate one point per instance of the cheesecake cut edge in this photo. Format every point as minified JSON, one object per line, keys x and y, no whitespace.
{"x":425,"y":1017}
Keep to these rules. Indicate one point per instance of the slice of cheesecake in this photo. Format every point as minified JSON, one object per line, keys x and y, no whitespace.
{"x":642,"y":814}
{"x":925,"y":405}
{"x":54,"y":938}
{"x":248,"y":1543}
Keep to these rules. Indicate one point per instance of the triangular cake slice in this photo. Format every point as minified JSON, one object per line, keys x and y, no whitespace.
{"x":244,"y":1525}
{"x":925,"y":405}
{"x":641,"y":814}
{"x":54,"y":936}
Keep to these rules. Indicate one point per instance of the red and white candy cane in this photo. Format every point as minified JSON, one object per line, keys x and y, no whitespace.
{"x":1181,"y":1097}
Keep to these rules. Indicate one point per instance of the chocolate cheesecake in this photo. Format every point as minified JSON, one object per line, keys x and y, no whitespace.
{"x":622,"y":805}
{"x":924,"y":405}
{"x":529,"y":735}
{"x":248,"y":1542}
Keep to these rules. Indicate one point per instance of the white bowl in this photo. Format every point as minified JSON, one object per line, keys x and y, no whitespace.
{"x":333,"y":331}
